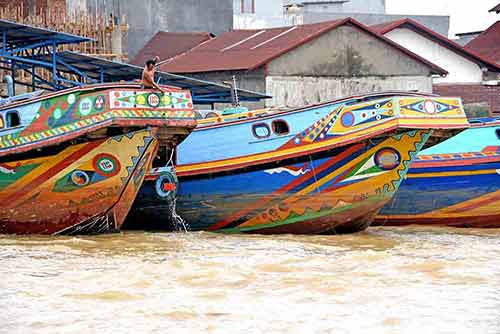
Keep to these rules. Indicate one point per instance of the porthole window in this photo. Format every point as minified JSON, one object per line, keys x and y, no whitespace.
{"x":261,"y":130}
{"x":12,"y":119}
{"x":497,"y":131}
{"x":280,"y":127}
{"x":212,"y":115}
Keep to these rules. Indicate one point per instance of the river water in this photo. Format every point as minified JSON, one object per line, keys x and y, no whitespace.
{"x":385,"y":280}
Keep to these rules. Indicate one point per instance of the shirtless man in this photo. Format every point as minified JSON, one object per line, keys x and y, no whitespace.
{"x":148,"y":74}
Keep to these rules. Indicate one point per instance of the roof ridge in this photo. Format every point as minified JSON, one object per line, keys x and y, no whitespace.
{"x":442,"y":40}
{"x":305,"y":33}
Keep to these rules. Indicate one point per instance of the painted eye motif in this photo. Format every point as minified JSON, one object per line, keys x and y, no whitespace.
{"x":387,"y":158}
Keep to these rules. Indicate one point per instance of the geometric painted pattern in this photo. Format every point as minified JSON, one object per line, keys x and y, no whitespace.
{"x":10,"y":140}
{"x":487,"y":152}
{"x":348,"y":119}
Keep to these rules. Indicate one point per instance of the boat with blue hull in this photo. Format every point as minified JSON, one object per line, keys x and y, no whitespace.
{"x":326,"y":168}
{"x":455,"y":183}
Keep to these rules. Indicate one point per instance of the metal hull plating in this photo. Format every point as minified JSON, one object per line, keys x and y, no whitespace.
{"x":86,"y":188}
{"x":329,"y":170}
{"x":455,"y":183}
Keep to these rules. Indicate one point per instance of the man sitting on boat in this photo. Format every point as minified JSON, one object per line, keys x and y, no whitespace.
{"x":148,"y":75}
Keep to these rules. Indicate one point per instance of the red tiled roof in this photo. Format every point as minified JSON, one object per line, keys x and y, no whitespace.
{"x":167,"y":45}
{"x":495,"y":9}
{"x":488,"y":43}
{"x":250,"y":49}
{"x":475,"y":57}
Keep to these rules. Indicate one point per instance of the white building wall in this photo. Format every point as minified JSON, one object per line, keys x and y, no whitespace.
{"x":461,"y":70}
{"x":297,"y":91}
{"x":341,"y":6}
{"x":268,"y":14}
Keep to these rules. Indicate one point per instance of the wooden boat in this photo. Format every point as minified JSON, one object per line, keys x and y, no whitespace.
{"x":455,"y":183}
{"x":71,"y":162}
{"x":326,"y":168}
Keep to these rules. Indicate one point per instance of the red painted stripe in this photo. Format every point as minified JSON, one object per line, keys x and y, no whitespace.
{"x":291,"y":185}
{"x":456,"y":162}
{"x":56,"y":169}
{"x":287,"y":156}
{"x":477,"y":204}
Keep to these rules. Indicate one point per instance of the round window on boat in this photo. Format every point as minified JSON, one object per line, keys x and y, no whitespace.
{"x":280,"y":127}
{"x":261,"y":130}
{"x":212,"y":115}
{"x":12,"y":119}
{"x":497,"y":131}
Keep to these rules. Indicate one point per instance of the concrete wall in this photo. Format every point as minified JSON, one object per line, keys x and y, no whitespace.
{"x":440,"y":24}
{"x":296,"y":91}
{"x":147,"y":17}
{"x":249,"y":80}
{"x":333,"y":66}
{"x":461,"y":70}
{"x":346,"y":51}
{"x":477,"y":99}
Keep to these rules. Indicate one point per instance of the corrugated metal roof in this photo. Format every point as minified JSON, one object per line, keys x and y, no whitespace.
{"x":477,"y":58}
{"x":167,"y":45}
{"x":250,"y":49}
{"x":488,"y":43}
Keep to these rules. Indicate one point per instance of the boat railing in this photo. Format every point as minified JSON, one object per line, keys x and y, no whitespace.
{"x":20,"y":97}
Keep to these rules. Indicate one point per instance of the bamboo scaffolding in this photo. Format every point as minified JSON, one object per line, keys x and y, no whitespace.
{"x":98,"y":27}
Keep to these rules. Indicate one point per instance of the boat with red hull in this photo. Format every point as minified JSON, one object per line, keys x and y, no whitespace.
{"x":72,"y":162}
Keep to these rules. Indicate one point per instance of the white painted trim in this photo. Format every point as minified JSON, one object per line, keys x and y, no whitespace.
{"x":243,"y":40}
{"x":275,"y":37}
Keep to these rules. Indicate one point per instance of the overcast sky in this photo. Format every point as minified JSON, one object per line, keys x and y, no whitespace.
{"x":465,"y":15}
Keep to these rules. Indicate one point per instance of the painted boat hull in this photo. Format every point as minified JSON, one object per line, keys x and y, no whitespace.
{"x":320,"y":194}
{"x":85,"y":188}
{"x":455,"y":184}
{"x":326,"y":168}
{"x":72,"y":161}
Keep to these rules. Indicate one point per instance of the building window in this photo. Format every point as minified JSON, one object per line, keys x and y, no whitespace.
{"x":280,"y":127}
{"x":261,"y":130}
{"x":247,"y":6}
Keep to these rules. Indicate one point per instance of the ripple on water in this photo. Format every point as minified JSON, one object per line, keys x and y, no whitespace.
{"x":385,"y":280}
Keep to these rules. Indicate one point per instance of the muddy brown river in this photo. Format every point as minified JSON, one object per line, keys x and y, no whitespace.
{"x":385,"y":280}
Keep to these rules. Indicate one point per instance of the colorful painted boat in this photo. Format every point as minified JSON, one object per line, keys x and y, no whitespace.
{"x":455,"y":183}
{"x":327,"y":168}
{"x":72,"y":162}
